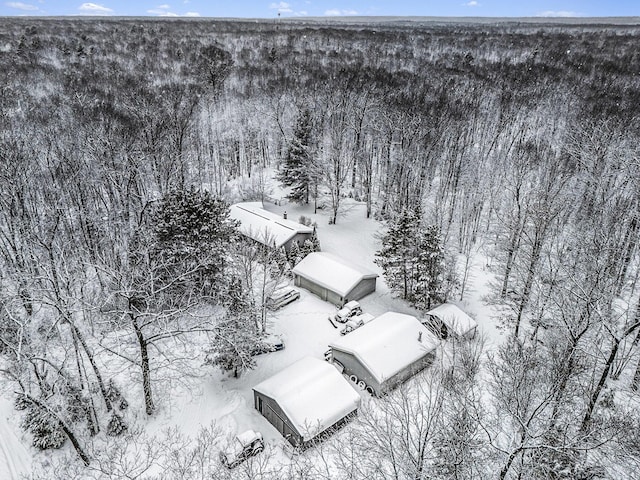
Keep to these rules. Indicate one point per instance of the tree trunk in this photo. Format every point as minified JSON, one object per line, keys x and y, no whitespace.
{"x":144,"y":365}
{"x":635,"y":384}
{"x":535,"y":256}
{"x":103,"y":390}
{"x":607,"y":368}
{"x":514,"y":243}
{"x":507,"y":466}
{"x":603,"y":379}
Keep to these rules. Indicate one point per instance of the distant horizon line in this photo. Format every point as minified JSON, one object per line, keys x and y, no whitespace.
{"x":626,"y":19}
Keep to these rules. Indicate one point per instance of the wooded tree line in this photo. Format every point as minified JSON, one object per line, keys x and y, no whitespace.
{"x":514,"y":142}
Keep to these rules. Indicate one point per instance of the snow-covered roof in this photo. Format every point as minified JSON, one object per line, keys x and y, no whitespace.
{"x":262,"y":225}
{"x":313,"y":395}
{"x":388,"y":344}
{"x":332,"y":272}
{"x":454,"y":318}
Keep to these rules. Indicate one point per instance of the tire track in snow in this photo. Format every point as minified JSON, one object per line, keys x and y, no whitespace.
{"x":7,"y":467}
{"x":15,"y":459}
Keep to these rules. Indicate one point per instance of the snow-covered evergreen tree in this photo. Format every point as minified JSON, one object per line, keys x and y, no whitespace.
{"x":398,"y":254}
{"x":236,"y":335}
{"x":45,"y":429}
{"x":280,"y":263}
{"x":234,"y":343}
{"x":297,"y":170}
{"x":315,"y":241}
{"x":412,"y":260}
{"x":192,"y":232}
{"x":307,"y":248}
{"x":294,"y":254}
{"x":429,"y":269}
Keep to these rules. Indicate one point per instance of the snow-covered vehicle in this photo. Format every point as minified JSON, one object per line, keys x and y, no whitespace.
{"x":243,"y":446}
{"x":281,"y":297}
{"x":350,"y":309}
{"x":356,"y":322}
{"x":268,"y":343}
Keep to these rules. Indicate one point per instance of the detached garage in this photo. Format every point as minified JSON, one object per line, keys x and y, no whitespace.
{"x":305,"y":400}
{"x":385,"y":352}
{"x":334,"y":279}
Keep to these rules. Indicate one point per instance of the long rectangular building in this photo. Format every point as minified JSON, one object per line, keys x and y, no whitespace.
{"x":385,"y":352}
{"x":334,"y":279}
{"x":267,"y":227}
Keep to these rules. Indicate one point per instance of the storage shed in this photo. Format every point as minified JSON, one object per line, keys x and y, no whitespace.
{"x":449,"y":320}
{"x":266,"y":227}
{"x":306,"y":399}
{"x":334,"y":279}
{"x":385,"y":352}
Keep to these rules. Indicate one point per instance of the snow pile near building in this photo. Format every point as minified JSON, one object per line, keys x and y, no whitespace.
{"x":313,"y":395}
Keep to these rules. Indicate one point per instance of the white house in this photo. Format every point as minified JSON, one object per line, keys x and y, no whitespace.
{"x":385,"y":352}
{"x":334,"y":279}
{"x":266,"y":227}
{"x":306,"y":399}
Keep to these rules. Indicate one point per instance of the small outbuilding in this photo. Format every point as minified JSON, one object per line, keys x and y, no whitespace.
{"x":268,"y":228}
{"x":334,"y":279}
{"x":385,"y":352}
{"x":306,"y":400}
{"x":448,"y":320}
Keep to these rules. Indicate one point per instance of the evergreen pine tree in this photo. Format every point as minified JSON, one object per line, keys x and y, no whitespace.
{"x":429,"y":269}
{"x":294,"y":254}
{"x":397,"y":256}
{"x":191,"y":233}
{"x":315,"y":242}
{"x":412,"y":260}
{"x":307,"y":248}
{"x":297,"y":171}
{"x":46,"y":430}
{"x":280,"y":262}
{"x":234,"y":343}
{"x":236,"y":336}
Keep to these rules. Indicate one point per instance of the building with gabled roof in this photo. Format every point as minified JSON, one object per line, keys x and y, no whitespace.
{"x":385,"y":352}
{"x":267,"y":227}
{"x":305,"y":400}
{"x":334,"y":279}
{"x":450,"y":320}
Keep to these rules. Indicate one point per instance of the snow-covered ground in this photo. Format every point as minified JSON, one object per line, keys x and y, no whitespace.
{"x":306,"y":330}
{"x":15,"y":458}
{"x":213,"y":397}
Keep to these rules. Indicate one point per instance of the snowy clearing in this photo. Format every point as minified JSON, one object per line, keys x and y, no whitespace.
{"x":210,"y":396}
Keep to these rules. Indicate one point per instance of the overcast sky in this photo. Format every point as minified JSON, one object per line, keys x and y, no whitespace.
{"x":300,"y":8}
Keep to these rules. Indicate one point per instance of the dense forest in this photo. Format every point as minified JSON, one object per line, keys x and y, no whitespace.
{"x":124,"y":140}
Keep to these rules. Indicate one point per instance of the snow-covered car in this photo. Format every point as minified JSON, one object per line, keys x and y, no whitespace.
{"x":350,"y":309}
{"x":243,"y":446}
{"x":268,"y":343}
{"x":356,"y":322}
{"x":281,"y":297}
